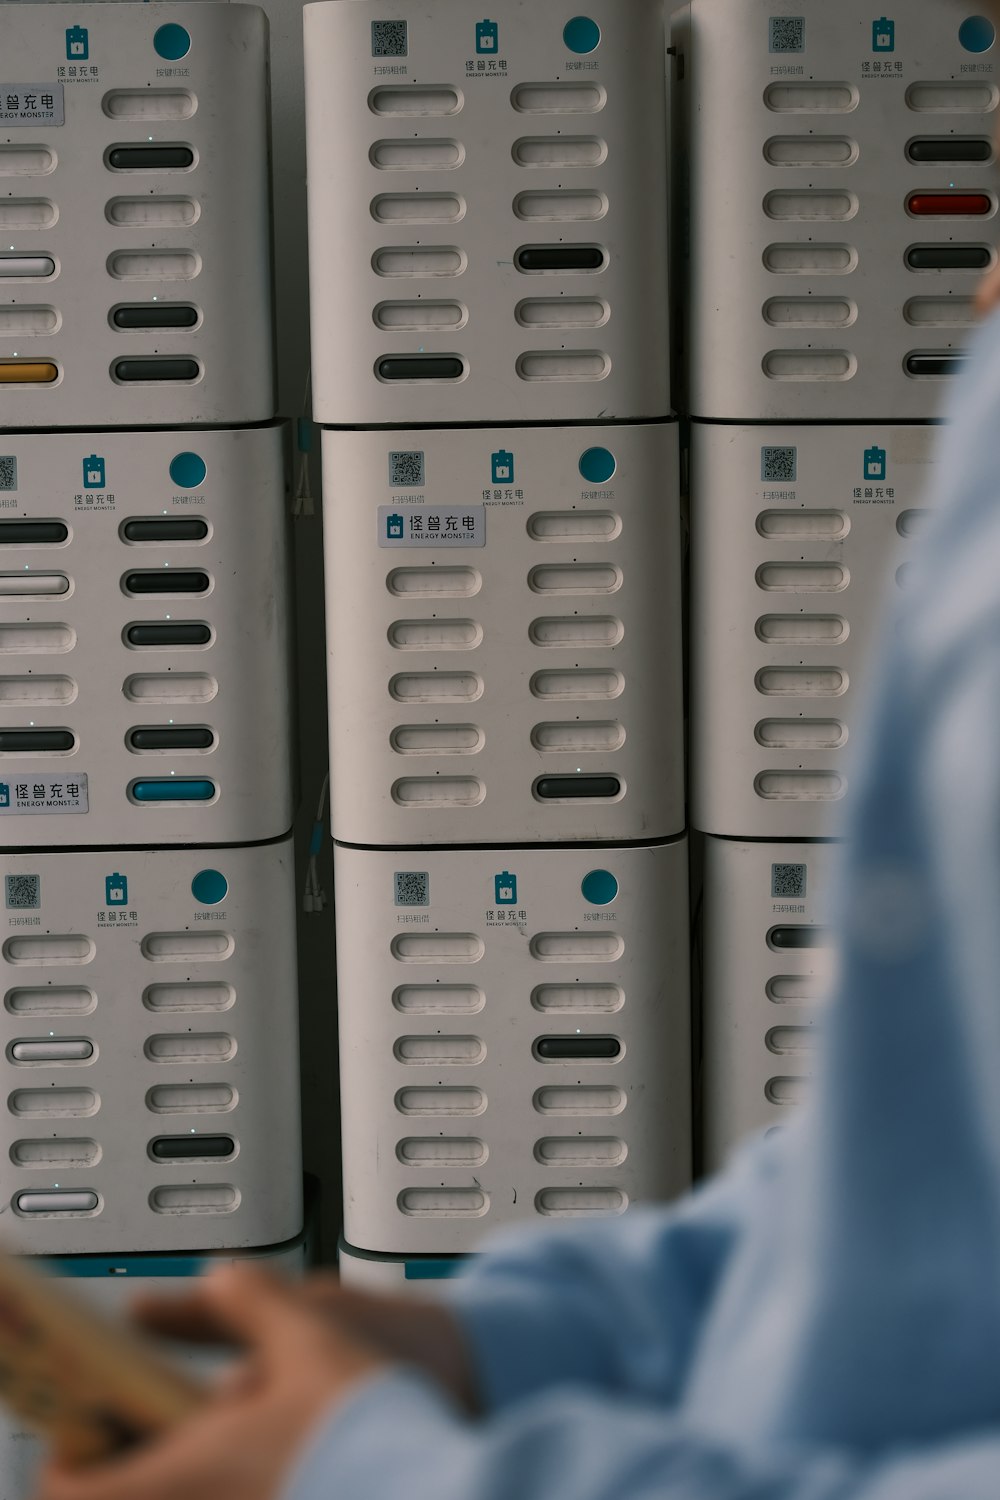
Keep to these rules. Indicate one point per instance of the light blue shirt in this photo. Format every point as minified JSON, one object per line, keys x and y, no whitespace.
{"x":823,"y":1321}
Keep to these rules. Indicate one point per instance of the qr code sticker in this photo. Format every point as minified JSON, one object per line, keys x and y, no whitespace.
{"x":413,"y":888}
{"x":23,"y":892}
{"x":788,"y":882}
{"x":406,"y":470}
{"x":388,"y":39}
{"x":788,"y":33}
{"x":8,"y":471}
{"x":779,"y":465}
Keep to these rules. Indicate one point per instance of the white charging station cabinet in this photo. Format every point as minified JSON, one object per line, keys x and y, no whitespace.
{"x":768,"y":960}
{"x":854,"y":153}
{"x":145,"y":689}
{"x":504,"y":634}
{"x":111,"y":1284}
{"x":135,"y":274}
{"x":487,"y":212}
{"x":800,"y":538}
{"x":150,"y":1055}
{"x":514,"y":1032}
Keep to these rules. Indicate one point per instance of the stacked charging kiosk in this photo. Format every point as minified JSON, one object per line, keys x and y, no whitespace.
{"x":149,"y":1113}
{"x":853,"y":151}
{"x":487,"y":204}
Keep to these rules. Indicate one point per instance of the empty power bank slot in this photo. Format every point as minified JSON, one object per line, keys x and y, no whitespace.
{"x":167,"y":581}
{"x":26,"y":161}
{"x":558,"y":788}
{"x":127,"y":370}
{"x":949,"y":257}
{"x":50,"y":1000}
{"x":155,"y":315}
{"x":53,"y":1050}
{"x":58,"y":949}
{"x":421,"y":367}
{"x":170,"y":687}
{"x":28,"y":741}
{"x":156,"y":158}
{"x":165,"y":529}
{"x":32,"y":585}
{"x":195,"y":1198}
{"x":27,"y":372}
{"x":27,"y":318}
{"x":34,"y":690}
{"x":60,"y":1151}
{"x":943,"y":363}
{"x":181,"y":633}
{"x":191,"y":1147}
{"x":946,"y":149}
{"x":796,"y":936}
{"x":63,"y":1202}
{"x":18,"y":267}
{"x":560,"y":258}
{"x":154,"y":211}
{"x":186,"y":1099}
{"x":149,"y":104}
{"x":577,"y":1048}
{"x":949,"y":205}
{"x":171,"y":737}
{"x":176,"y":789}
{"x":32,"y":533}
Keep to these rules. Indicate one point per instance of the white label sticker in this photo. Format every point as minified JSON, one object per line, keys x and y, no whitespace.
{"x":31,"y":104}
{"x":432,"y":526}
{"x":44,"y":794}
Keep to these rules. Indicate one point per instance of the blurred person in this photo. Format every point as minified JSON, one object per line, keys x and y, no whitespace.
{"x":821,"y":1322}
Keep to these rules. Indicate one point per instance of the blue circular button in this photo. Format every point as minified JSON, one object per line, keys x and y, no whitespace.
{"x":188,"y":470}
{"x":599,"y":887}
{"x":209,"y":887}
{"x":597,"y":465}
{"x":172,"y":42}
{"x":977,"y":34}
{"x":582,"y":34}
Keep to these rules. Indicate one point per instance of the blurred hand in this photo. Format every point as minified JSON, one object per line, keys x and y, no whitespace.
{"x":988,"y":294}
{"x":244,"y":1442}
{"x":398,"y":1328}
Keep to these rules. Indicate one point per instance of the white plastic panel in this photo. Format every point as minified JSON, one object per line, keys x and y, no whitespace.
{"x":497,"y":217}
{"x":177,"y":967}
{"x":416,"y":1275}
{"x":847,"y":156}
{"x":142,"y":206}
{"x":111,"y":1285}
{"x":791,"y":577}
{"x":145,"y":671}
{"x":526,"y":688}
{"x":516,"y":1047}
{"x":768,"y":959}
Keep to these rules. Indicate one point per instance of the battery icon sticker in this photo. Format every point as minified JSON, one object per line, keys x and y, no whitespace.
{"x":77,"y":44}
{"x":487,"y":36}
{"x":883,"y":35}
